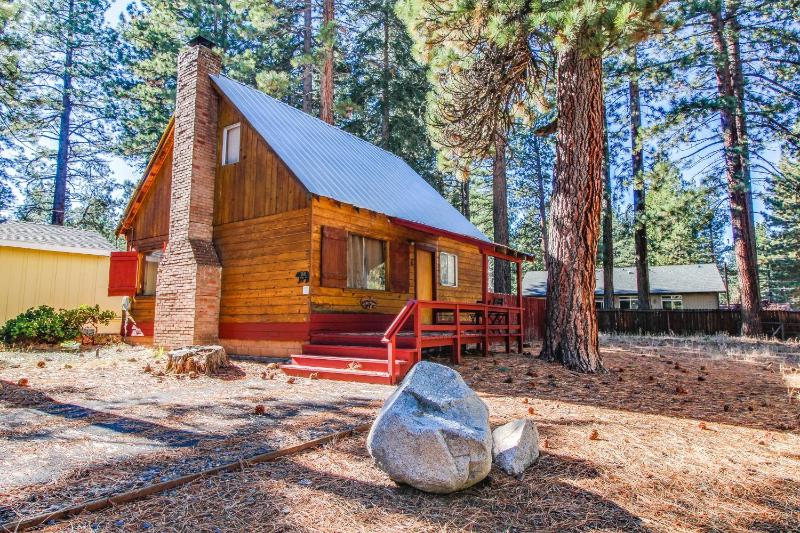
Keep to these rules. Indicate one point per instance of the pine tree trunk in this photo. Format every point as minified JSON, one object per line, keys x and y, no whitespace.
{"x":640,"y":229}
{"x":385,"y":78}
{"x":571,"y":328}
{"x":608,"y":222}
{"x":307,"y":68}
{"x":737,"y":188}
{"x":464,"y":193}
{"x":326,"y":84}
{"x":62,"y":159}
{"x":737,"y":84}
{"x":502,"y":269}
{"x":542,"y":199}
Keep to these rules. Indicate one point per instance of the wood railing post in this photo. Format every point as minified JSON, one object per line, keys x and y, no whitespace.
{"x":418,"y":334}
{"x":392,"y":366}
{"x":485,"y":329}
{"x":457,"y":347}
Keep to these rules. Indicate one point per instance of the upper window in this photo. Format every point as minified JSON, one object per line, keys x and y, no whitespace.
{"x":599,"y":303}
{"x":366,"y":263}
{"x":672,"y":301}
{"x":628,"y":302}
{"x":231,"y":136}
{"x":448,"y":269}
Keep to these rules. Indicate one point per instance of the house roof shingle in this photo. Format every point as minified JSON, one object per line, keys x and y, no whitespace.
{"x":53,"y":238}
{"x":335,"y":164}
{"x":672,"y":279}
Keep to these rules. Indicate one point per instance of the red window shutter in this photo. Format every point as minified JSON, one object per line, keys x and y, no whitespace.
{"x":122,"y":273}
{"x":334,"y":257}
{"x":398,"y":266}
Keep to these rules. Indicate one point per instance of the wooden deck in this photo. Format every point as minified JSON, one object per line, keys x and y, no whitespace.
{"x":386,"y":356}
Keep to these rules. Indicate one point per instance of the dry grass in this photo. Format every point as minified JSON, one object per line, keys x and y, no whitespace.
{"x":673,"y":453}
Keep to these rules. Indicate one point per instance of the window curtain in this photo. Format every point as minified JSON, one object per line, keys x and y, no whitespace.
{"x":366,"y":263}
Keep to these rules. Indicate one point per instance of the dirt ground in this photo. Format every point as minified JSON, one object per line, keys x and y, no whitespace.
{"x":678,"y":435}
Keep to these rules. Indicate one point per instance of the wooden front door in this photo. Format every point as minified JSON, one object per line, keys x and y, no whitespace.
{"x":424,"y":277}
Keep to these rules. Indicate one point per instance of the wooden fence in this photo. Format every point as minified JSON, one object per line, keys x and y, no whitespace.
{"x":779,"y":324}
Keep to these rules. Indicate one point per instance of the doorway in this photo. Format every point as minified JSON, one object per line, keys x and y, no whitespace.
{"x":425,"y":262}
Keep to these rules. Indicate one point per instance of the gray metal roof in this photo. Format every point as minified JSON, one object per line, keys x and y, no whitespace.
{"x":53,"y":238}
{"x":338,"y":165}
{"x":672,"y":279}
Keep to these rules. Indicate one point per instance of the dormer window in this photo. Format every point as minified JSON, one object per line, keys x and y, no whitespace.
{"x":230,"y":144}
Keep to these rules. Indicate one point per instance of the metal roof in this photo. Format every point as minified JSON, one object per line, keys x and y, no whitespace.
{"x":671,"y":279}
{"x":338,"y":165}
{"x":53,"y":238}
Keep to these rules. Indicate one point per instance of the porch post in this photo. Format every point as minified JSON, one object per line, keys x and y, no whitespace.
{"x":521,"y":307}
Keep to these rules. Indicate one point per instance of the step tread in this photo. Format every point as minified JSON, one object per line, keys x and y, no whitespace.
{"x":352,"y":371}
{"x":326,"y":357}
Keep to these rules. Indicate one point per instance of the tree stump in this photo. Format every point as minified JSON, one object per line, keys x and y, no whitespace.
{"x":201,"y":359}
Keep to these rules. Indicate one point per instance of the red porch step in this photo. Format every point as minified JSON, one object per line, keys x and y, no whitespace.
{"x":337,"y":374}
{"x":359,"y":339}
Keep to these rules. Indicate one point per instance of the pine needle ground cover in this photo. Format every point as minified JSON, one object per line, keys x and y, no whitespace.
{"x":679,"y":435}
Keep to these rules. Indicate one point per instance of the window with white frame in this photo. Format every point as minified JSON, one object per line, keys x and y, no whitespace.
{"x":628,"y":302}
{"x":672,"y":301}
{"x":231,"y":137}
{"x":448,"y":269}
{"x":599,"y":303}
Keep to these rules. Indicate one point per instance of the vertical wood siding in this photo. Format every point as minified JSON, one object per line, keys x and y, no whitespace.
{"x":30,"y":278}
{"x":150,"y":227}
{"x":259,"y":184}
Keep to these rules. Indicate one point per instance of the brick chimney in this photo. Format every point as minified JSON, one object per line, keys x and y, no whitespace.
{"x":189,"y":276}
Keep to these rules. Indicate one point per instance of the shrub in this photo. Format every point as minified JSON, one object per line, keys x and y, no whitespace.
{"x":44,"y":324}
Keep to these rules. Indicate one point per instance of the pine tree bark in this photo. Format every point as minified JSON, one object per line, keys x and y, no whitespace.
{"x":737,"y":84}
{"x":326,"y":84}
{"x":58,"y":213}
{"x":502,"y":269}
{"x":571,"y":325}
{"x":608,"y":222}
{"x":737,"y":188}
{"x":307,"y":68}
{"x":542,"y":198}
{"x":386,"y":75}
{"x":637,"y":163}
{"x":464,"y":194}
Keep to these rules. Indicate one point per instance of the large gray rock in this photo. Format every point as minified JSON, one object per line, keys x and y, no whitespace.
{"x":515,"y":446}
{"x":433,"y":433}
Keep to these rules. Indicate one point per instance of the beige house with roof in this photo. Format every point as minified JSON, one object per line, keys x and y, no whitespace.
{"x":675,"y":287}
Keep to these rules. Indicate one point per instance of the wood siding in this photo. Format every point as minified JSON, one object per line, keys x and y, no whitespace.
{"x":259,"y":184}
{"x":30,"y":278}
{"x":346,"y":300}
{"x":260,"y":258}
{"x":150,"y":227}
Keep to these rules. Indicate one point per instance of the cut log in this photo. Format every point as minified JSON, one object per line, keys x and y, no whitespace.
{"x":201,"y":359}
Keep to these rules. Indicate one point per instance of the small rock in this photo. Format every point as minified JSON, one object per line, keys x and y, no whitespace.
{"x":291,"y":380}
{"x":304,"y":482}
{"x":260,"y":409}
{"x":193,"y":375}
{"x":515,"y":446}
{"x":272,"y":366}
{"x":23,"y":382}
{"x":67,"y":366}
{"x":40,"y":364}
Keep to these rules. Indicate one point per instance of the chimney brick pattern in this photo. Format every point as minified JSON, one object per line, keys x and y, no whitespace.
{"x":189,"y":275}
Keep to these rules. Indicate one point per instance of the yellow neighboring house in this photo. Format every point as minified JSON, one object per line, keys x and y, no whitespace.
{"x":57,"y":266}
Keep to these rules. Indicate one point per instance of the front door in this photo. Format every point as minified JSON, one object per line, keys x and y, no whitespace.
{"x":424,"y":277}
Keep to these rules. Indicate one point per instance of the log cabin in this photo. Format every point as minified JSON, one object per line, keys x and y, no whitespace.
{"x":273,"y":233}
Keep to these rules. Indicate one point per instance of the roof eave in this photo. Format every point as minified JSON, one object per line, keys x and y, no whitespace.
{"x":141,"y":191}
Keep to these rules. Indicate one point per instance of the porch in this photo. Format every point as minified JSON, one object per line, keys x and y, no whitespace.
{"x":383,"y":348}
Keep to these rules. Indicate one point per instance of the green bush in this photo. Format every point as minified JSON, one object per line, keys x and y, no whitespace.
{"x":44,"y":324}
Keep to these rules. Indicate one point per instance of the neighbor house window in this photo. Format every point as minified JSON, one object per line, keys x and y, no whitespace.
{"x":672,"y":301}
{"x":448,"y":269}
{"x":150,"y":273}
{"x":599,"y":303}
{"x":628,"y":302}
{"x":366,"y":263}
{"x":231,"y":136}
